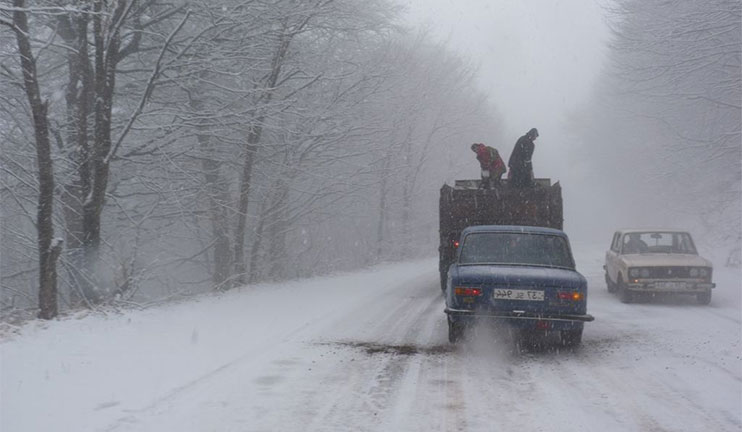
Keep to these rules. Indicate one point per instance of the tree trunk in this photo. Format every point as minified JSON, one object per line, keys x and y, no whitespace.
{"x":48,"y":252}
{"x":239,"y":243}
{"x":104,"y":80}
{"x":255,"y":251}
{"x":407,"y":190}
{"x":382,"y":212}
{"x":253,"y":139}
{"x":406,"y":226}
{"x":74,"y":30}
{"x":277,"y":231}
{"x":218,"y":201}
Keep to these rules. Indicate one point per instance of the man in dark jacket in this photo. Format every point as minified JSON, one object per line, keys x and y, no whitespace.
{"x":521,"y":169}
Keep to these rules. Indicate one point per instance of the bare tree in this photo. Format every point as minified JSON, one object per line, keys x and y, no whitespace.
{"x":48,"y":248}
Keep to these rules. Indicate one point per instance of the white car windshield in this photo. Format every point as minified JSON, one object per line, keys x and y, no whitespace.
{"x":516,"y":249}
{"x":658,"y":242}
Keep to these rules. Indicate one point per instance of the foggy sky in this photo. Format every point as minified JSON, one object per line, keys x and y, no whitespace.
{"x":537,"y":61}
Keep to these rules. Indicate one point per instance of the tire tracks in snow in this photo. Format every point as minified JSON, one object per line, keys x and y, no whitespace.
{"x":382,"y":384}
{"x":132,"y":418}
{"x":634,"y":394}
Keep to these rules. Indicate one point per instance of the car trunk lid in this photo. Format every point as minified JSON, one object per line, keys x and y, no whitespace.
{"x":523,"y":289}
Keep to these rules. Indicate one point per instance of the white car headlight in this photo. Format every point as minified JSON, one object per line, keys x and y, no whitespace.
{"x":704,"y":272}
{"x":694,"y":272}
{"x":645,"y":273}
{"x":634,"y":272}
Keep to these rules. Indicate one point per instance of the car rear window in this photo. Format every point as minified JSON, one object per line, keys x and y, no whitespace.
{"x":517,"y":249}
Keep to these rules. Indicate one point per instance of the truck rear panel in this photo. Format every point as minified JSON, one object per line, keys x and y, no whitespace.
{"x":465,"y":205}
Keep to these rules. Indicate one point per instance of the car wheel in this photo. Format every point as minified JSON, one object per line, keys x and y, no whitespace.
{"x":455,"y":331}
{"x":704,"y":298}
{"x":624,"y":293}
{"x":571,"y":338}
{"x":609,"y":284}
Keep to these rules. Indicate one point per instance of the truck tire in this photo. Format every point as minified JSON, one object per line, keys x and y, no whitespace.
{"x":704,"y":298}
{"x":455,"y":331}
{"x":571,"y":338}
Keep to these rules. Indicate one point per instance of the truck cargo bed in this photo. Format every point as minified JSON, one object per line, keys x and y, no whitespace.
{"x":465,"y":204}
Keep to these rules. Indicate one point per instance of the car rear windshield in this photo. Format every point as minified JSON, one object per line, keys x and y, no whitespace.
{"x":516,"y":249}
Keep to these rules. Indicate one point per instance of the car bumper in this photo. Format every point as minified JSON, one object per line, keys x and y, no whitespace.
{"x":519,"y":315}
{"x":671,"y":287}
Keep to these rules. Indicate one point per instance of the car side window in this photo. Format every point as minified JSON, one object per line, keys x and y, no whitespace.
{"x":684,"y":243}
{"x":621,"y":244}
{"x":614,"y":244}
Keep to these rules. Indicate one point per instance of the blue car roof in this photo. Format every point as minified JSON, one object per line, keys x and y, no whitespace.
{"x":513,"y":228}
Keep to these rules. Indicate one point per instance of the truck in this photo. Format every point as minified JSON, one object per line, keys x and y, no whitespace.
{"x":466,"y":204}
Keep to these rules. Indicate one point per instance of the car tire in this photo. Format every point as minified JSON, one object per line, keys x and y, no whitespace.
{"x":624,"y":293}
{"x":455,"y":331}
{"x":571,"y":338}
{"x":704,"y":298}
{"x":609,"y":284}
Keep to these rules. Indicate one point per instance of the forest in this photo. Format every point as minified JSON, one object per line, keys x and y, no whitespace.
{"x":153,"y":149}
{"x":660,"y":137}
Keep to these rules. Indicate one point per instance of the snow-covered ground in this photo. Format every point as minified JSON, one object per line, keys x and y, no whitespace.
{"x":367,"y":352}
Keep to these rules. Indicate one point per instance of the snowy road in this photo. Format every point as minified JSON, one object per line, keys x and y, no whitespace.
{"x":368,"y":352}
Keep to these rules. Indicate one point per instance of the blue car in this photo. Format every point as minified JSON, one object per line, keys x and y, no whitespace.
{"x":518,"y":275}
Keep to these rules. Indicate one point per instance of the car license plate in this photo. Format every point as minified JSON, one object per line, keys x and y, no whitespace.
{"x":514,"y":294}
{"x":671,"y":285}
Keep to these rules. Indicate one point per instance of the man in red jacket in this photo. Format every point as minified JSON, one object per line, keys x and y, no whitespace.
{"x":493,"y":167}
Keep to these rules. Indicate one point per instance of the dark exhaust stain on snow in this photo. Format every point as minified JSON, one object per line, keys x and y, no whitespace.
{"x":442,"y":382}
{"x":406,"y":349}
{"x":269,"y":380}
{"x":106,"y":405}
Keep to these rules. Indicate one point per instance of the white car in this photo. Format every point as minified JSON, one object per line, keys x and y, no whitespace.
{"x":656,"y":261}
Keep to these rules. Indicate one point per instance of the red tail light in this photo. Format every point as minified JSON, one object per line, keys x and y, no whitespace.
{"x":575,"y":296}
{"x":543,"y":325}
{"x":464,"y":291}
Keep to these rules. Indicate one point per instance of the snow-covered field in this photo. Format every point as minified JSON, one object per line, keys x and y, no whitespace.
{"x":367,"y":352}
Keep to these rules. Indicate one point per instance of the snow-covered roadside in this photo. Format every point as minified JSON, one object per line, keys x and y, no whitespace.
{"x":76,"y":375}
